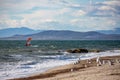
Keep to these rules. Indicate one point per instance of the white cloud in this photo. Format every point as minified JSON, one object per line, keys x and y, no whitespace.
{"x":106,"y":8}
{"x":37,"y":13}
{"x":10,"y":23}
{"x":15,"y":6}
{"x":94,"y":23}
{"x":34,"y":19}
{"x":113,"y":3}
{"x":79,"y":13}
{"x":64,"y":10}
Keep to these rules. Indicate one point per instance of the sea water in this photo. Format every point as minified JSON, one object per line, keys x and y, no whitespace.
{"x":18,"y":60}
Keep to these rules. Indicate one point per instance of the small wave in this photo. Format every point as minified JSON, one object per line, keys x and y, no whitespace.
{"x":35,"y":46}
{"x":8,"y":58}
{"x":30,"y":63}
{"x":52,"y":46}
{"x":100,"y":54}
{"x":49,"y":57}
{"x":58,"y":57}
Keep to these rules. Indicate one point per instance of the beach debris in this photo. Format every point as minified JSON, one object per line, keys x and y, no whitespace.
{"x":86,"y":65}
{"x":89,"y":61}
{"x":77,"y":62}
{"x":103,"y":61}
{"x":109,"y":62}
{"x":71,"y":70}
{"x":117,"y":61}
{"x":98,"y":61}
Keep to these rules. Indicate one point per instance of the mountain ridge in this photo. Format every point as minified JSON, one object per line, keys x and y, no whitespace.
{"x":17,"y":31}
{"x":114,"y":31}
{"x":66,"y":35}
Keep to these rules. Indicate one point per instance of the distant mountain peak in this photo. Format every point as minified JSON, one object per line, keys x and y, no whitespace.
{"x":19,"y":31}
{"x":25,"y":28}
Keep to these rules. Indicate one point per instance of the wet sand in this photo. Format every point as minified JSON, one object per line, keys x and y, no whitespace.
{"x":103,"y":68}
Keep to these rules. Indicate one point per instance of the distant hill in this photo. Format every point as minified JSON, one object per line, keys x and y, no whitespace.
{"x":115,"y":31}
{"x":66,"y":35}
{"x":16,"y":31}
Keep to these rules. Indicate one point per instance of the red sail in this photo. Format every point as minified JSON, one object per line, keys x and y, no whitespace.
{"x":28,"y":42}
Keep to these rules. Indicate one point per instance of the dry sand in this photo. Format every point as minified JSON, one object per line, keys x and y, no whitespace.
{"x":83,"y":70}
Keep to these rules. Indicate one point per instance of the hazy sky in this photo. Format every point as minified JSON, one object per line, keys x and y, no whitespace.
{"x":78,"y":15}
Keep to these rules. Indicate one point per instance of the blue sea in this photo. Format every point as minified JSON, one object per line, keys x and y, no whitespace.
{"x":18,"y":60}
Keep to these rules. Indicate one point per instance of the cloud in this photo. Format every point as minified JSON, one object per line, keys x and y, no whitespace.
{"x":22,"y":6}
{"x":112,"y":2}
{"x":99,"y":9}
{"x":94,"y":23}
{"x":107,"y":8}
{"x":54,"y":25}
{"x":80,"y":15}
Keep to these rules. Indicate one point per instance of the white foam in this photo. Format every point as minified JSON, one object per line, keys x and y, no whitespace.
{"x":21,"y":70}
{"x":35,"y":46}
{"x":100,"y":54}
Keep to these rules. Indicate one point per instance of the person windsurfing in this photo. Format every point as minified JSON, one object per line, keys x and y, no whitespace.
{"x":28,"y":41}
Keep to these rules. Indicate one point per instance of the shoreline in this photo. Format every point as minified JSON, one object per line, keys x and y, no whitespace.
{"x":80,"y":67}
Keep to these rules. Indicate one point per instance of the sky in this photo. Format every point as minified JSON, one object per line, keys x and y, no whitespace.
{"x":76,"y":15}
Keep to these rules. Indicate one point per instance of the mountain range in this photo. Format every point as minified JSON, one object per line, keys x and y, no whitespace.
{"x":114,"y":31}
{"x":17,"y":31}
{"x":65,"y":35}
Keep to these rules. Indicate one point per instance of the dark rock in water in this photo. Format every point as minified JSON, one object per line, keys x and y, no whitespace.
{"x":82,"y":50}
{"x":78,"y":51}
{"x":69,"y":51}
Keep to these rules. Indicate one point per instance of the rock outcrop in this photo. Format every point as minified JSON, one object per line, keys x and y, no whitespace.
{"x":81,"y":50}
{"x":78,"y":51}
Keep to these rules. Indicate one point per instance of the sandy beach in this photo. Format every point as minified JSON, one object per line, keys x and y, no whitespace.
{"x":103,"y":68}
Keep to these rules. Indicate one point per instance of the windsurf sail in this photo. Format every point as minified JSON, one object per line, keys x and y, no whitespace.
{"x":28,"y":41}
